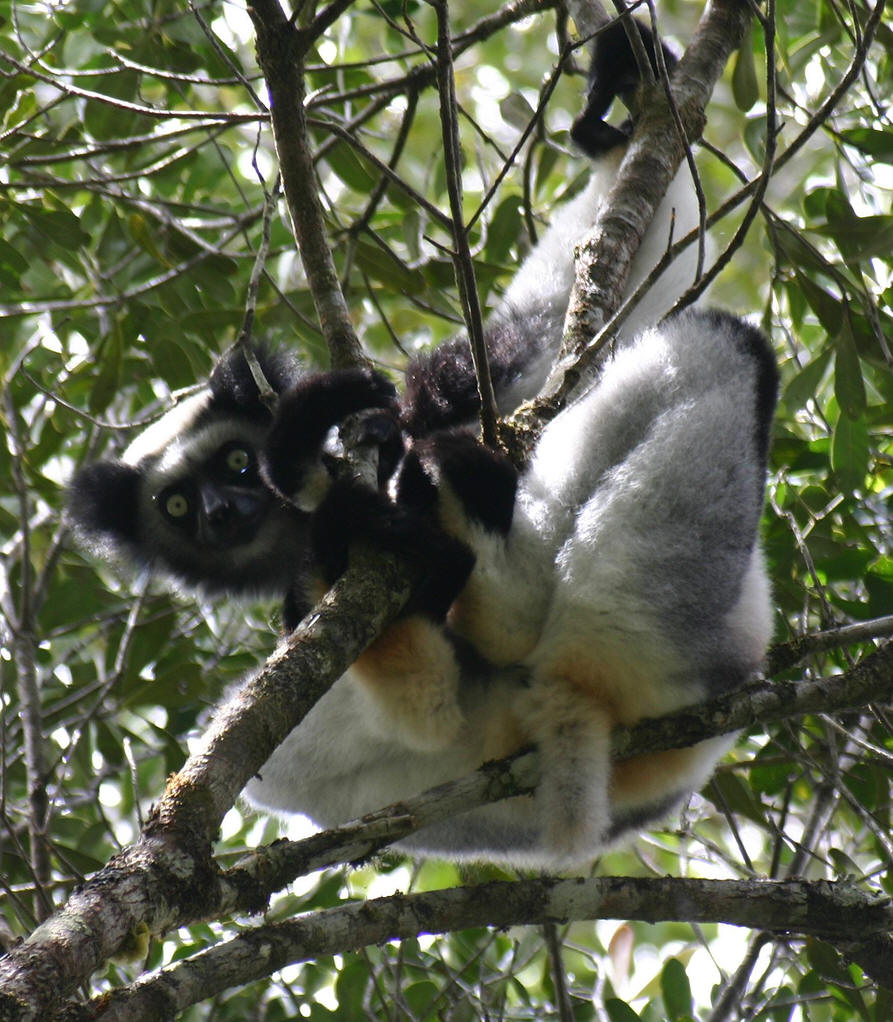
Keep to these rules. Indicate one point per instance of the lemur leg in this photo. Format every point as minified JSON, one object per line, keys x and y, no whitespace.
{"x":573,"y":797}
{"x":471,"y":491}
{"x":453,"y":495}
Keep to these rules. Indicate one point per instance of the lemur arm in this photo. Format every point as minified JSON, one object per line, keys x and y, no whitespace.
{"x":412,"y":670}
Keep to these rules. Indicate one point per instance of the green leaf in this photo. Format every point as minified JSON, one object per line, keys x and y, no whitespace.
{"x":770,"y":778}
{"x":794,"y":250}
{"x":103,"y":120}
{"x":381,"y":265}
{"x":545,"y":166}
{"x":869,"y":785}
{"x":849,"y":387}
{"x":829,"y":965}
{"x":23,"y":109}
{"x":737,"y":796}
{"x":350,"y":988}
{"x":108,"y":381}
{"x":850,"y":453}
{"x":505,"y":225}
{"x":59,"y":225}
{"x":142,"y":234}
{"x":883,"y":568}
{"x":620,"y":1011}
{"x":825,"y":305}
{"x":516,"y":111}
{"x":75,"y":855}
{"x":871,"y":141}
{"x":348,"y":167}
{"x":421,"y":998}
{"x":12,"y":263}
{"x":805,"y":384}
{"x":745,"y":87}
{"x":676,"y":990}
{"x":857,"y":237}
{"x":755,"y":137}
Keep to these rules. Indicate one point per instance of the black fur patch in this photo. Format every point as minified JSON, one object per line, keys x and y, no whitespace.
{"x":103,"y":501}
{"x":308,"y":411}
{"x":297,"y":603}
{"x":233,"y":387}
{"x":754,"y":343}
{"x":441,"y":388}
{"x":483,"y":480}
{"x":352,"y":513}
{"x":415,"y":488}
{"x":613,"y":72}
{"x":641,"y":817}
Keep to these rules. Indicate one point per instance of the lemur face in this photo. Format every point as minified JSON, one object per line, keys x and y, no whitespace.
{"x":210,"y":493}
{"x":187,"y":498}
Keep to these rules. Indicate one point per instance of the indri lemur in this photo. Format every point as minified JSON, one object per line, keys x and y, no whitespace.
{"x":618,"y":577}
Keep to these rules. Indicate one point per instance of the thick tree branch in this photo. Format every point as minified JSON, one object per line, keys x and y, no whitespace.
{"x":787,"y":654}
{"x":871,"y":680}
{"x":829,"y":911}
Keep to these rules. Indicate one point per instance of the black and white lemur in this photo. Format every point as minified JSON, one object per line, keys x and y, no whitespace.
{"x":619,"y":576}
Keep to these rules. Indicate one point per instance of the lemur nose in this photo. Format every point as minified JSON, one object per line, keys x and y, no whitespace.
{"x":215,"y":505}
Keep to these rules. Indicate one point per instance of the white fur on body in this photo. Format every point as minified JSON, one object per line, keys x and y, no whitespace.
{"x":538,"y":294}
{"x":635,"y":544}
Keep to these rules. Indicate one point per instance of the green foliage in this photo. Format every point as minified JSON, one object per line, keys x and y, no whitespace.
{"x":136,"y":151}
{"x":676,"y":991}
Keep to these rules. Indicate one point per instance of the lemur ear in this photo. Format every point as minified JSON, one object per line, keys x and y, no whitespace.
{"x":232,"y":383}
{"x":103,"y":501}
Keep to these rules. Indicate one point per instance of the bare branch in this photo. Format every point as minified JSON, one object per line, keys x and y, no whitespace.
{"x":462,"y":261}
{"x":280,"y":50}
{"x":830,"y":911}
{"x":788,"y":654}
{"x":119,"y":104}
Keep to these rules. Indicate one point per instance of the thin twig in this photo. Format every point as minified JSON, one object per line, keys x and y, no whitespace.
{"x":559,"y":977}
{"x":24,"y":648}
{"x":281,"y":49}
{"x":462,"y":259}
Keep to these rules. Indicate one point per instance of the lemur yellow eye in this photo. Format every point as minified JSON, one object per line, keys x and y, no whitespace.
{"x":176,"y":506}
{"x":238,"y":459}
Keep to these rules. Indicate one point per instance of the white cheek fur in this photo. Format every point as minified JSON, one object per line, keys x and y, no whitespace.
{"x":170,"y":427}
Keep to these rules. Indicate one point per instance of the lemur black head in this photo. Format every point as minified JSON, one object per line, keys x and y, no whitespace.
{"x":186,"y":495}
